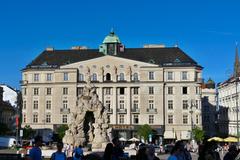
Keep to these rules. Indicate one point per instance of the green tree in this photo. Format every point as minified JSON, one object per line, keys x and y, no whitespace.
{"x":28,"y":132}
{"x":144,"y":131}
{"x":198,"y":134}
{"x":61,"y":130}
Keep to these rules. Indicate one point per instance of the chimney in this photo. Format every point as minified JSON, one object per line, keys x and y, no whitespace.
{"x":154,"y":46}
{"x":49,"y":49}
{"x":79,"y":48}
{"x":1,"y":94}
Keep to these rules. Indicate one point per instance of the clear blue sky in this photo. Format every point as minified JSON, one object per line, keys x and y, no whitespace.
{"x":206,"y":29}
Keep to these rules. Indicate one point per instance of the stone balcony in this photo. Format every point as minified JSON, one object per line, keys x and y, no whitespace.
{"x":110,"y":111}
{"x":151,"y":110}
{"x":64,"y":110}
{"x":135,"y":110}
{"x":121,"y":110}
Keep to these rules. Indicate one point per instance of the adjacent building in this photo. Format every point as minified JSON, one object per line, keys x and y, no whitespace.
{"x":209,"y":108}
{"x":154,"y":85}
{"x":7,"y":112}
{"x":228,"y":102}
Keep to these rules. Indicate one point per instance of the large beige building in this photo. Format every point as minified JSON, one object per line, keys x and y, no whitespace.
{"x":154,"y":85}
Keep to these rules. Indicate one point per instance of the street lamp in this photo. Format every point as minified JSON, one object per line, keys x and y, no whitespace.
{"x":191,"y":112}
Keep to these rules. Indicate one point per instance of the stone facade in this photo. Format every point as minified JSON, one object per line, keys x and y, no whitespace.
{"x":134,"y":92}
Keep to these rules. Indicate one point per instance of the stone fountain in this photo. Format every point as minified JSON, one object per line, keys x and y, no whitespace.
{"x":86,"y":129}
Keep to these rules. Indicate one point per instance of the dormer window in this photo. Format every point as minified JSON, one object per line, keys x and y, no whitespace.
{"x":121,"y":77}
{"x":108,"y":77}
{"x":81,"y":77}
{"x":135,"y":77}
{"x":94,"y":77}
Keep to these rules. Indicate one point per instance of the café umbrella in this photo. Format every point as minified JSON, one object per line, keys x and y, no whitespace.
{"x":218,"y":139}
{"x":134,"y":139}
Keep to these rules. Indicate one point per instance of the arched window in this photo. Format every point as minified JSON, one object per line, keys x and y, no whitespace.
{"x":94,"y":77}
{"x":108,"y":77}
{"x":135,"y":77}
{"x":81,"y":77}
{"x":121,"y":77}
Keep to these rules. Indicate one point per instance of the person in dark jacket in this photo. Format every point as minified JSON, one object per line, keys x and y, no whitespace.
{"x":232,"y":153}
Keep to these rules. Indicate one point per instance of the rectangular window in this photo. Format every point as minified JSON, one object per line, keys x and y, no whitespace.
{"x":65,"y":76}
{"x":108,"y":105}
{"x":121,"y":90}
{"x":24,"y":104}
{"x":48,"y":118}
{"x":64,"y":118}
{"x":135,"y":104}
{"x":169,"y":75}
{"x":48,"y":104}
{"x":65,"y":91}
{"x":151,"y":104}
{"x":184,"y":75}
{"x":49,"y":91}
{"x":107,"y":91}
{"x":185,"y":119}
{"x":170,"y":119}
{"x":121,"y":104}
{"x":65,"y":104}
{"x":135,"y":90}
{"x":79,"y":91}
{"x":36,"y":77}
{"x":151,"y":90}
{"x":35,"y":118}
{"x":121,"y":119}
{"x":49,"y":77}
{"x":35,"y":104}
{"x":24,"y":118}
{"x":184,"y":90}
{"x":197,"y":119}
{"x":35,"y":91}
{"x":170,"y":90}
{"x":197,"y":104}
{"x":24,"y":91}
{"x":135,"y":119}
{"x":198,"y":90}
{"x":151,"y":75}
{"x":151,"y":119}
{"x":185,"y":104}
{"x":170,"y":104}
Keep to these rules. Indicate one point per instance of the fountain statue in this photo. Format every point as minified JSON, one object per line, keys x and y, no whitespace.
{"x":83,"y":129}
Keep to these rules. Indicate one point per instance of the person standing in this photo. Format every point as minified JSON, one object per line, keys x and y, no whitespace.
{"x":77,"y":153}
{"x":108,"y":153}
{"x":117,"y":149}
{"x":151,"y":153}
{"x":231,"y":154}
{"x":35,"y":152}
{"x":59,"y":155}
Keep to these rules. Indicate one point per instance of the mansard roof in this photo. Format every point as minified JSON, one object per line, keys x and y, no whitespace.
{"x":167,"y":57}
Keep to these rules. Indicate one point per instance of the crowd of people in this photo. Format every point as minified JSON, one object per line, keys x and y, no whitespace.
{"x":114,"y":151}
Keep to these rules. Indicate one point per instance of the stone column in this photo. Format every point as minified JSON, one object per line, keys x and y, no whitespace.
{"x":114,"y":102}
{"x":128,"y":105}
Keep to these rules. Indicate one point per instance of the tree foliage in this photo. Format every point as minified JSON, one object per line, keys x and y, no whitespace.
{"x":198,"y":134}
{"x":28,"y":132}
{"x":61,"y":130}
{"x":144,"y":131}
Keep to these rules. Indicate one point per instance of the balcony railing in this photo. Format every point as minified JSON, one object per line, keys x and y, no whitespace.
{"x":65,"y":110}
{"x":135,"y":110}
{"x":152,"y":110}
{"x":110,"y":110}
{"x":121,"y":110}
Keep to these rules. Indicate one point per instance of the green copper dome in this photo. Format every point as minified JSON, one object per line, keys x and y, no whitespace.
{"x":111,"y":38}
